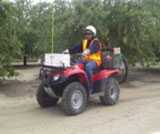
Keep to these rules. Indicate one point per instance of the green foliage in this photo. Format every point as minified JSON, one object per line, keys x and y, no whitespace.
{"x":9,"y":44}
{"x":132,"y":25}
{"x":27,"y":30}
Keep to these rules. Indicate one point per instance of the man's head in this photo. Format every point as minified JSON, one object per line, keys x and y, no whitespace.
{"x":90,"y":32}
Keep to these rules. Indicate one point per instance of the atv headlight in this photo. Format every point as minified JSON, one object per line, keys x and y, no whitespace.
{"x":56,"y":77}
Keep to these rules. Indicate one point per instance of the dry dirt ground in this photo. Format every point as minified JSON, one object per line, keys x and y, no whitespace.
{"x":138,"y":111}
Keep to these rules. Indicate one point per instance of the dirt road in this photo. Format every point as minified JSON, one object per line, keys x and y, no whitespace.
{"x":138,"y":111}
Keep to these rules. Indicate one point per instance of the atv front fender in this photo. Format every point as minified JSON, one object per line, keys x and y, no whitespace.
{"x":75,"y":71}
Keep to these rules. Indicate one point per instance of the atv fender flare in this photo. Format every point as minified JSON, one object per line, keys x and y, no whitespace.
{"x":105,"y":74}
{"x":76,"y":72}
{"x":80,"y":77}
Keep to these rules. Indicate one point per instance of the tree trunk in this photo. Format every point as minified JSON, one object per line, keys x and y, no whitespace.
{"x":25,"y":60}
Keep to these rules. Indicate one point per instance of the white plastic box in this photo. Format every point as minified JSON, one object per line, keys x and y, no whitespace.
{"x":56,"y":60}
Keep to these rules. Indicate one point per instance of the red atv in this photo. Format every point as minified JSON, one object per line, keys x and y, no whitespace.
{"x":70,"y":83}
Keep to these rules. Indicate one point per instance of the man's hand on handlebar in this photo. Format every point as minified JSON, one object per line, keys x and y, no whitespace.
{"x":86,"y":52}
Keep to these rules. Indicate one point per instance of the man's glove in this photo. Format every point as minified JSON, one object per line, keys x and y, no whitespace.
{"x":66,"y":51}
{"x":86,"y":52}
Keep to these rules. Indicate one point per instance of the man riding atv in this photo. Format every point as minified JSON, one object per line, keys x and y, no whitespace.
{"x":74,"y":82}
{"x":90,"y":47}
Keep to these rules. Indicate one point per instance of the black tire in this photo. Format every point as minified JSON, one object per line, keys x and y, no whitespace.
{"x":44,"y":99}
{"x":124,"y":71}
{"x":40,"y":73}
{"x":68,"y":97}
{"x":111,"y":90}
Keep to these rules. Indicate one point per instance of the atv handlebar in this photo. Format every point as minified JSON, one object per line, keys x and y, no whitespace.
{"x":108,"y":49}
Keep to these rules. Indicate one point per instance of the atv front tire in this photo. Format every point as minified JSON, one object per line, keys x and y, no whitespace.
{"x":111,"y":90}
{"x":44,"y":99}
{"x":74,"y":99}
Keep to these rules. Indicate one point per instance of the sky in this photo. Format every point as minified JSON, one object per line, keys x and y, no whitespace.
{"x":35,"y":1}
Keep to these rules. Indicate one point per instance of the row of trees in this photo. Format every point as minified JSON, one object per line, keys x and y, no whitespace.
{"x":28,"y":30}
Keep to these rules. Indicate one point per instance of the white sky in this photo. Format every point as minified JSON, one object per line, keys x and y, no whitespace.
{"x":35,"y":1}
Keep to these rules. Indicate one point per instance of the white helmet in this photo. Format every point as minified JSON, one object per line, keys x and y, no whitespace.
{"x":92,"y":29}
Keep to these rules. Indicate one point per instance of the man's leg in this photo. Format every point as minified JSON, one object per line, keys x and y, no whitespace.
{"x":89,"y":68}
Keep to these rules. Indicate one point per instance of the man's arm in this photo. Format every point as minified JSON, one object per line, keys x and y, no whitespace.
{"x":75,"y":49}
{"x":96,"y":46}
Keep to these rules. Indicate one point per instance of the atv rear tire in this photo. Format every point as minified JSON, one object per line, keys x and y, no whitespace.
{"x":74,"y":99}
{"x":111,"y":90}
{"x":124,"y":71}
{"x":44,"y":99}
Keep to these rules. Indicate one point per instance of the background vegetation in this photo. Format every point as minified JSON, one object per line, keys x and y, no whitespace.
{"x":27,"y":30}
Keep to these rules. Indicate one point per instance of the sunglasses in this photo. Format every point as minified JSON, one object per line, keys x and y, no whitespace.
{"x":88,"y":33}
